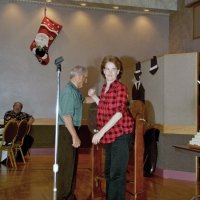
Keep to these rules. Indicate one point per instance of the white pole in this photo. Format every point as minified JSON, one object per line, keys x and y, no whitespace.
{"x":55,"y":166}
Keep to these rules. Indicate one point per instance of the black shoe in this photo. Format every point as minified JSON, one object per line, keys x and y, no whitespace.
{"x":3,"y":162}
{"x":71,"y":197}
{"x":19,"y":159}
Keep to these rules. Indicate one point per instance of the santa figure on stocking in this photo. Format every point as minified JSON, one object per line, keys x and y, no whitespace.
{"x":47,"y":33}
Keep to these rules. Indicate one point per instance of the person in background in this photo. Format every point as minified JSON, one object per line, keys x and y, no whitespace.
{"x":70,"y":117}
{"x":116,"y":125}
{"x":17,"y":114}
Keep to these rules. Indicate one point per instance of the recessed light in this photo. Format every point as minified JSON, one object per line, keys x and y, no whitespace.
{"x":116,"y":7}
{"x":83,"y":4}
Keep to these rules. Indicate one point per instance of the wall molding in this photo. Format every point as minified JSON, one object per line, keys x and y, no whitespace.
{"x":165,"y":129}
{"x":179,"y":129}
{"x":175,"y":129}
{"x":50,"y":121}
{"x":177,"y":175}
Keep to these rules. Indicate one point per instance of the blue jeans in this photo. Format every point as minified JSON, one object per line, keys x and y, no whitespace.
{"x":116,"y":163}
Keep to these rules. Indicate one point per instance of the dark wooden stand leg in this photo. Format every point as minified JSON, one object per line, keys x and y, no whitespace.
{"x":139,"y":113}
{"x":97,"y":176}
{"x":138,"y":155}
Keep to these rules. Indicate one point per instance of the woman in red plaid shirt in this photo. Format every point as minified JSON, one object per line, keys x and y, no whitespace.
{"x":115,"y":124}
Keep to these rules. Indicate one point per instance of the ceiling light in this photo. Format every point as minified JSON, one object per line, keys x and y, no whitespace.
{"x":48,"y":1}
{"x":116,"y":7}
{"x":146,"y":10}
{"x":83,"y":4}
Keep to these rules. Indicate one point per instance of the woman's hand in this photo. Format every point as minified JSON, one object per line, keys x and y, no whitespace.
{"x":97,"y":137}
{"x":91,"y":92}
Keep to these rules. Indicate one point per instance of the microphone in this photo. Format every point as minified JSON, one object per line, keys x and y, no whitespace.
{"x":58,"y":60}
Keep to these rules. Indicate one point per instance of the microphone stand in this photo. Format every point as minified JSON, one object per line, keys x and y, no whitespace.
{"x":55,"y":166}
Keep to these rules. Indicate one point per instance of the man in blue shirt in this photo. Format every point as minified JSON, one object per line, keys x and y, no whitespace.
{"x":70,"y":116}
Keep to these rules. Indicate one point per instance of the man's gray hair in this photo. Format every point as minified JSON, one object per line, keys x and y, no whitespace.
{"x":78,"y":70}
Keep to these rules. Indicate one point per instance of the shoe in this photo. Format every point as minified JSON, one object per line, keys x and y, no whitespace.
{"x":71,"y":197}
{"x":3,"y":162}
{"x":19,"y":159}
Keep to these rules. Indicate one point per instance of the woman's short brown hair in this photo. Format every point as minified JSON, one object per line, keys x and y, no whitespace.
{"x":116,"y":61}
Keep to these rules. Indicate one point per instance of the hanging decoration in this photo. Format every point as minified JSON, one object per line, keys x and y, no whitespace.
{"x":154,"y":65}
{"x":138,"y":91}
{"x":138,"y":71}
{"x":47,"y":33}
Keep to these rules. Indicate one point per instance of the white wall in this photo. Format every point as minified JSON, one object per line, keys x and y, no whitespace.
{"x":154,"y":91}
{"x":172,"y":91}
{"x":87,"y":36}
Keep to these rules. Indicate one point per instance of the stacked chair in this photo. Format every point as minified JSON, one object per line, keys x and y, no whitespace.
{"x":7,"y":143}
{"x":13,"y":137}
{"x":22,"y":131}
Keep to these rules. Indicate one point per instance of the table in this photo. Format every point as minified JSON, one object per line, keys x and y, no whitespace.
{"x":188,"y":147}
{"x":195,"y":149}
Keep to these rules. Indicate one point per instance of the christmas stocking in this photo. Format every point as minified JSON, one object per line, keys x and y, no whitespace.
{"x":47,"y":33}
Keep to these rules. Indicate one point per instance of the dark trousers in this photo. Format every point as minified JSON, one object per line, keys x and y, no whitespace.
{"x":67,"y":163}
{"x":116,"y":163}
{"x":27,"y":143}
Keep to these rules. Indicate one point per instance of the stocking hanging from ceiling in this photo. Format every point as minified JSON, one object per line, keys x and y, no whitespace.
{"x":45,"y":36}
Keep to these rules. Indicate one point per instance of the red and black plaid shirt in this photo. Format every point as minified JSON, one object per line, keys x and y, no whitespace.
{"x":113,"y":101}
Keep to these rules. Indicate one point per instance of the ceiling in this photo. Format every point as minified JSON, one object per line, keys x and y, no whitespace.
{"x":154,"y":6}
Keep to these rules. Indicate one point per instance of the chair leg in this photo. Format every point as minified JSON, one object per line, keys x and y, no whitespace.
{"x":29,"y":153}
{"x":13,"y":158}
{"x":9,"y":158}
{"x":22,"y":155}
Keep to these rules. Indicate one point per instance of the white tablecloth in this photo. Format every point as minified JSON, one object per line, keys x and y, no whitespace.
{"x":3,"y":154}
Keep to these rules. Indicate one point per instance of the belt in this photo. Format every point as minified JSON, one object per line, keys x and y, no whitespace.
{"x":76,"y":127}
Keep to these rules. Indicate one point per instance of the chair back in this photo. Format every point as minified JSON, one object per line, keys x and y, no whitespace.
{"x":10,"y":131}
{"x":22,"y":130}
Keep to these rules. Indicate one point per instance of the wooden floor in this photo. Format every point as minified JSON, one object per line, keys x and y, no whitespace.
{"x":34,"y":181}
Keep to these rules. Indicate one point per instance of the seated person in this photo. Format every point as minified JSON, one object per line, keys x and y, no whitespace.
{"x":18,"y":115}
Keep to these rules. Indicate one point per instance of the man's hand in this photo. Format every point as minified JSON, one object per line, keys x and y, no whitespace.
{"x":76,"y":142}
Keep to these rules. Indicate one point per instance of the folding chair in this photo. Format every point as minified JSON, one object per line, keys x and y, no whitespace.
{"x":28,"y":131}
{"x":22,"y":131}
{"x":9,"y":135}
